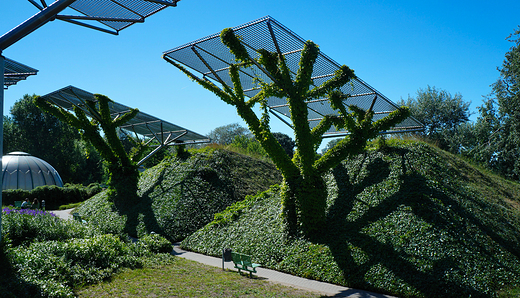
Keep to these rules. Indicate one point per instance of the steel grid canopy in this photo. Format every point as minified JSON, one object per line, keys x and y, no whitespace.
{"x":115,"y":14}
{"x":15,"y":72}
{"x":150,"y":127}
{"x":210,"y":57}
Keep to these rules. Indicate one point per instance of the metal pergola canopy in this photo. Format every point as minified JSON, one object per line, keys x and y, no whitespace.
{"x":210,"y":57}
{"x":147,"y":126}
{"x":115,"y":14}
{"x":15,"y":72}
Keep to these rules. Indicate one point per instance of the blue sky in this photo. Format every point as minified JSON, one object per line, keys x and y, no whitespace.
{"x":395,"y":46}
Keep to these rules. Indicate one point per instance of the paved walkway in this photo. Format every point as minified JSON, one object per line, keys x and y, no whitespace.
{"x":65,"y":214}
{"x":266,"y":274}
{"x":282,"y":278}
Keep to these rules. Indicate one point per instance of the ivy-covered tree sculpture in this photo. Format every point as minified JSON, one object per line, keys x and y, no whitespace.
{"x":304,"y":192}
{"x":122,"y":166}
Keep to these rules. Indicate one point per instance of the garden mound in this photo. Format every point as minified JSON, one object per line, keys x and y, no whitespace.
{"x":181,"y":195}
{"x":405,"y":218}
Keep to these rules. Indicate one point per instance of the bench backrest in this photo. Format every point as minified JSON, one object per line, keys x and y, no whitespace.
{"x":241,"y":259}
{"x":236,"y":258}
{"x":18,"y":203}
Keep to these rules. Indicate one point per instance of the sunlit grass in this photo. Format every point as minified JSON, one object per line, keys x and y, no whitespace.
{"x":185,"y":278}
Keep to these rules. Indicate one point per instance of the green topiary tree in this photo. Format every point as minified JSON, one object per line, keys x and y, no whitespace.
{"x":304,"y":191}
{"x":122,"y":165}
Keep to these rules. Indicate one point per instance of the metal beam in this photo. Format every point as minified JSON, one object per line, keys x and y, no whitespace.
{"x":174,"y":4}
{"x":70,"y":17}
{"x":33,"y":23}
{"x":90,"y":26}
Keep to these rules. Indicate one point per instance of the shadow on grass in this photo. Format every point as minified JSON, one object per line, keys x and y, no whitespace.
{"x":415,"y":193}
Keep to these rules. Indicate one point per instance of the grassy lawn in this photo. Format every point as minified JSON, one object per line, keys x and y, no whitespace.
{"x":185,"y":278}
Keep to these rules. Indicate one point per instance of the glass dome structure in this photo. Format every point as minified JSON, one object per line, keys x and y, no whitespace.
{"x":23,"y":171}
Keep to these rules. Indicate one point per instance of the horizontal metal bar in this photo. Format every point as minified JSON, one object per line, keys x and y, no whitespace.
{"x":70,"y":17}
{"x":342,"y":134}
{"x":19,"y":74}
{"x":91,"y":27}
{"x":174,"y":4}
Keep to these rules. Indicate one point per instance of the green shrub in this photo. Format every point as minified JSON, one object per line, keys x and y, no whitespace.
{"x":156,"y":243}
{"x":22,"y":229}
{"x":58,"y":266}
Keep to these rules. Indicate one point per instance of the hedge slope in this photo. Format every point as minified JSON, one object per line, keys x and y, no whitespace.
{"x":406,"y":219}
{"x":181,"y":195}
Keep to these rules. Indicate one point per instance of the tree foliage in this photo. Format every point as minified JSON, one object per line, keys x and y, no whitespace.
{"x":507,"y":93}
{"x":30,"y":130}
{"x":225,"y":134}
{"x":304,"y":190}
{"x":122,"y":166}
{"x":441,"y":113}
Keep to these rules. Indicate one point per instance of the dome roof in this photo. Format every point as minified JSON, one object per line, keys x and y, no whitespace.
{"x":22,"y":171}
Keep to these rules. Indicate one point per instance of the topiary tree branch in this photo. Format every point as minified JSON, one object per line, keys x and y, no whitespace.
{"x":304,"y":190}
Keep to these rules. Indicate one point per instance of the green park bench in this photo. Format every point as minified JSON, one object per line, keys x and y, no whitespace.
{"x":243,"y":262}
{"x":18,"y":204}
{"x":77,"y":217}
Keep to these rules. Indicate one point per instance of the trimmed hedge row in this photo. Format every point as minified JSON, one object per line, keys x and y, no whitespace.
{"x":54,"y":196}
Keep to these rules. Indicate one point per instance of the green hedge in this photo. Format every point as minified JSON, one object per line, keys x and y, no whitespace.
{"x":54,"y":196}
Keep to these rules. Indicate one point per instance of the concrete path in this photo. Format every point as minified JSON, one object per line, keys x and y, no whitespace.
{"x":282,"y":278}
{"x":65,"y":214}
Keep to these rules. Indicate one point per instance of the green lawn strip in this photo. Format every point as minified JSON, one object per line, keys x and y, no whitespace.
{"x":185,"y":278}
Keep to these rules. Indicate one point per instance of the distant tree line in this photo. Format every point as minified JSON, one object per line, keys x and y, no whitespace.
{"x":493,"y":140}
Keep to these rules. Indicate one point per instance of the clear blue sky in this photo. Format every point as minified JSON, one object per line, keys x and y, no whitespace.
{"x":395,"y":46}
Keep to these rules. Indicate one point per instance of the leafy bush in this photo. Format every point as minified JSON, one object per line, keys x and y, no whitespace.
{"x":409,"y":220}
{"x":44,"y":256}
{"x":21,"y":227}
{"x":56,"y":267}
{"x":156,"y":244}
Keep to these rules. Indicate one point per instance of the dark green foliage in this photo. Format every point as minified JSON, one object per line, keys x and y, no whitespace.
{"x":286,"y":142}
{"x":438,"y":110}
{"x":506,"y":141}
{"x":54,"y":196}
{"x":21,"y":229}
{"x":156,"y":243}
{"x":122,"y":166}
{"x":42,"y":135}
{"x":180,"y":195}
{"x":44,"y":256}
{"x":225,"y":134}
{"x":443,"y":115}
{"x":404,"y":218}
